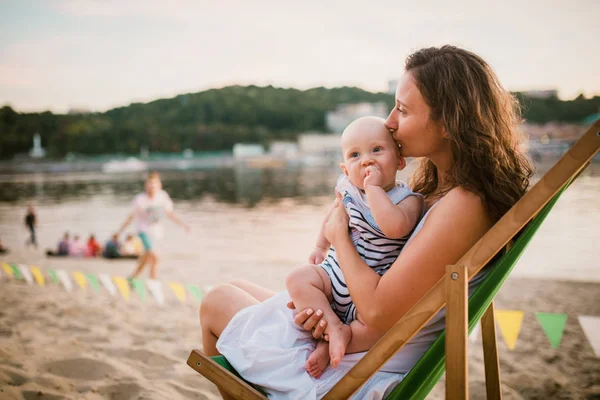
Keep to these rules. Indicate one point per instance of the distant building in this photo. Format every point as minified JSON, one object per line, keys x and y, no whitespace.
{"x":241,"y":150}
{"x":541,"y":94}
{"x":339,"y":119}
{"x":284,"y":149}
{"x":320,"y":144}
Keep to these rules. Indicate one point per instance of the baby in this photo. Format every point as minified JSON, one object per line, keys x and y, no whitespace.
{"x":382,"y":215}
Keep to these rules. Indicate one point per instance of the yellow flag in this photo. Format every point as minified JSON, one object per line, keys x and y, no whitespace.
{"x":509,"y":322}
{"x":80,"y":279}
{"x":179,"y":291}
{"x":123,"y":286}
{"x":8,"y":270}
{"x":37,"y":274}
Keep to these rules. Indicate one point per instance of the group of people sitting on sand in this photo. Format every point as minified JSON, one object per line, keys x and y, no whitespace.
{"x":132,"y":247}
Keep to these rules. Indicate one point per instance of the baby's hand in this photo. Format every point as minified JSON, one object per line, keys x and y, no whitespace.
{"x":317,"y":256}
{"x":373,"y":177}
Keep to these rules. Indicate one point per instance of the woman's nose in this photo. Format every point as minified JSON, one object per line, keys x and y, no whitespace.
{"x":391,"y":123}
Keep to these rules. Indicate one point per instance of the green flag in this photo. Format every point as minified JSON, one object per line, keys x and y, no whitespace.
{"x":16,"y":271}
{"x":54,"y":277}
{"x":93,"y":281}
{"x":139,"y":288}
{"x":195,"y":291}
{"x":553,"y":325}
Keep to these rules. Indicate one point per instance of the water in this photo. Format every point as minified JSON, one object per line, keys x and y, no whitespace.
{"x":250,"y":223}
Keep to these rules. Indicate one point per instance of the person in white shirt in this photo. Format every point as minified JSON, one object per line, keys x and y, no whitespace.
{"x":149,"y":208}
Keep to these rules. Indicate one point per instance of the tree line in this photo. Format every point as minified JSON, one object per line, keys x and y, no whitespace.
{"x":216,"y":119}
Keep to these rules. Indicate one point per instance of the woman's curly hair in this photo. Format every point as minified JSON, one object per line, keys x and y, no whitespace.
{"x":481,"y":119}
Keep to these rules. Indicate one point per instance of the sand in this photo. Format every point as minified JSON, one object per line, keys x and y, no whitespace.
{"x":85,"y":345}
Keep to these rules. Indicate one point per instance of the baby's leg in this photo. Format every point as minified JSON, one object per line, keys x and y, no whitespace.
{"x":310,"y":287}
{"x":363,"y":337}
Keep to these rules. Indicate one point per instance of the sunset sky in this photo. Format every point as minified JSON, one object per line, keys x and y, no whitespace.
{"x":95,"y":54}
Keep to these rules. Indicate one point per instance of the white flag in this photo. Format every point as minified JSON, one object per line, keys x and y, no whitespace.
{"x":64,"y":278}
{"x":108,"y":284}
{"x":26,"y":273}
{"x":591,"y":328}
{"x":155,"y":287}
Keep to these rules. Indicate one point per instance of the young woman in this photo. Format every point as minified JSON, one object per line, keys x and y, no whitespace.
{"x":451,"y":112}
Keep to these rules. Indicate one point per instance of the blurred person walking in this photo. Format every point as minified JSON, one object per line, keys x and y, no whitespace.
{"x":31,"y":224}
{"x":149,"y":208}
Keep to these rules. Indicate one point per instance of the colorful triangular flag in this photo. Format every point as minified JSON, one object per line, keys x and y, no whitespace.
{"x":123,"y":286}
{"x":155,"y":287}
{"x":24,"y":269}
{"x":553,"y":325}
{"x":591,"y":328}
{"x":510,"y":322}
{"x":80,"y":279}
{"x":16,"y":272}
{"x":8,"y":269}
{"x":93,"y":281}
{"x":178,"y":290}
{"x":53,"y":275}
{"x":39,"y":277}
{"x":195,"y":291}
{"x":139,"y":288}
{"x":64,"y":278}
{"x":108,"y":284}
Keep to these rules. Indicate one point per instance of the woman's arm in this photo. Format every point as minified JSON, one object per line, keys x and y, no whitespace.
{"x":456,"y":224}
{"x":171,"y":214}
{"x":127,"y":222}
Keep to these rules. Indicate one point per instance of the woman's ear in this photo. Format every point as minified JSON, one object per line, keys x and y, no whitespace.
{"x":344,"y":169}
{"x":401,"y":163}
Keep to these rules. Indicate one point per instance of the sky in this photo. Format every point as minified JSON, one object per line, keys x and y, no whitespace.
{"x":98,"y":54}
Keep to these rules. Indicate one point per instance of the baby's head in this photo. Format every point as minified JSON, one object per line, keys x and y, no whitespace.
{"x":367,"y":142}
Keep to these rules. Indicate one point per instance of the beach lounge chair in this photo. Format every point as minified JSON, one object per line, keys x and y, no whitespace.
{"x":502,"y":245}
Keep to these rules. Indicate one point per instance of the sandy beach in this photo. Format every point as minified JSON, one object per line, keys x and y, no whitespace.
{"x":85,"y":345}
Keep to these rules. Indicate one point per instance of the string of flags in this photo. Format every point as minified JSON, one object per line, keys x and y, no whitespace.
{"x":509,"y":321}
{"x":114,"y":285}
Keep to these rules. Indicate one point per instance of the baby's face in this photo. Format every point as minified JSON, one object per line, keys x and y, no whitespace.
{"x":366,"y":142}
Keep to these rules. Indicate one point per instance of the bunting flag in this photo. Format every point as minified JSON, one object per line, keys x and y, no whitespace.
{"x":80,"y":279}
{"x":108,"y":284}
{"x":38,"y":276}
{"x":553,"y":325}
{"x":123,"y":286}
{"x":93,"y":281}
{"x":7,"y":268}
{"x":54,"y":277}
{"x":509,"y":322}
{"x":178,"y":290}
{"x":64,"y":278}
{"x":24,"y":270}
{"x":16,"y":271}
{"x":195,"y":291}
{"x":155,"y":288}
{"x":591,"y":328}
{"x":139,"y":288}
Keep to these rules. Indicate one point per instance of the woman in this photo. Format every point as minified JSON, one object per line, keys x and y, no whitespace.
{"x":452,"y":112}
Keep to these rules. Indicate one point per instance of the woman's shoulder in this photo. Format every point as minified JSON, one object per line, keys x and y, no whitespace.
{"x":460,"y":206}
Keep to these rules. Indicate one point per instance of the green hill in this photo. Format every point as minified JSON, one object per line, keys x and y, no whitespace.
{"x":214,"y":119}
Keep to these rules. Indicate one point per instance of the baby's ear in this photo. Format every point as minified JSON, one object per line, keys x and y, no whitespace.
{"x":344,"y":169}
{"x":401,"y":163}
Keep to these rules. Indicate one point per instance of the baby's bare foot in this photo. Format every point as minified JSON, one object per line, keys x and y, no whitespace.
{"x":339,"y":337}
{"x":318,"y":360}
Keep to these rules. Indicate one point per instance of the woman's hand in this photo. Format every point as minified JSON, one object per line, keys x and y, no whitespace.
{"x":310,"y":321}
{"x":336,"y":225}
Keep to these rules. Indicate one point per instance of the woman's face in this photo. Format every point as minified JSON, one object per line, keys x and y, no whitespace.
{"x":411,"y":125}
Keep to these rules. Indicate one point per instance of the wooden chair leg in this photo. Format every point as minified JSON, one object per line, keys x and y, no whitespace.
{"x":457,"y":332}
{"x":490,"y":355}
{"x":224,"y":379}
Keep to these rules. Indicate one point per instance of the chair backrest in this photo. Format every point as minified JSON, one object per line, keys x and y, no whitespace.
{"x":426,"y":373}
